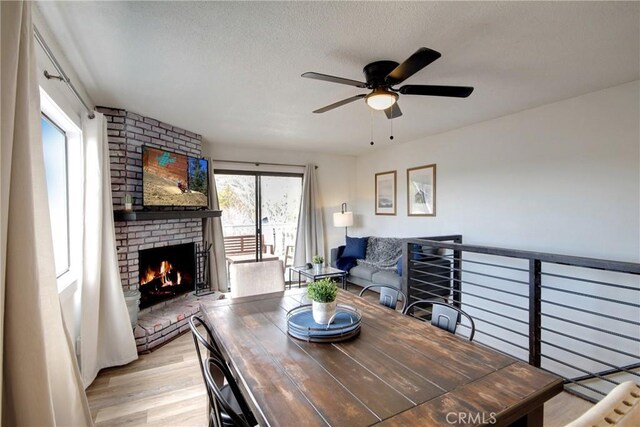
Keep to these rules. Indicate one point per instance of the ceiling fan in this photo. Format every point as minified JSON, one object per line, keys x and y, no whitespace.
{"x":382,"y":75}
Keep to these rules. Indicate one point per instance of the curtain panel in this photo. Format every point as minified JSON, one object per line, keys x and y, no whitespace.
{"x":106,"y":335}
{"x":310,"y":235}
{"x":213,"y":234}
{"x":41,"y":383}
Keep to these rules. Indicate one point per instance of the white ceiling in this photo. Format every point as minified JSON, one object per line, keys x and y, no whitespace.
{"x":231,"y":70}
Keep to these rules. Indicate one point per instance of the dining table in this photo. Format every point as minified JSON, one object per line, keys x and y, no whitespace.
{"x":398,"y":371}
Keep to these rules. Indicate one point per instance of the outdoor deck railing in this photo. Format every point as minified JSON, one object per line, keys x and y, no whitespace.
{"x":577,"y":317}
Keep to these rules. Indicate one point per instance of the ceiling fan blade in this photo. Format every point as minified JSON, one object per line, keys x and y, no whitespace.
{"x":339,"y":103}
{"x":393,"y":111}
{"x":416,"y":62}
{"x":334,"y":79}
{"x":454,"y":91}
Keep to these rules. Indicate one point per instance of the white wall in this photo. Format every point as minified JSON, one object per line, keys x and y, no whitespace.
{"x":336,"y":177}
{"x":563,"y":178}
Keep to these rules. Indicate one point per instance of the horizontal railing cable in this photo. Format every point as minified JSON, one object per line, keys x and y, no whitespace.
{"x":624,"y":353}
{"x":596,"y":282}
{"x":593,"y":359}
{"x":506,"y":267}
{"x":615,"y":370}
{"x":566,"y":291}
{"x":522,"y":282}
{"x":580,"y":369}
{"x":501,"y":326}
{"x":466,"y":304}
{"x":471,"y":294}
{"x":567,"y":380}
{"x":562,"y":319}
{"x":595,"y":313}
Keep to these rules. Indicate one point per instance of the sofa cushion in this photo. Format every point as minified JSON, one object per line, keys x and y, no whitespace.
{"x":387,"y":278}
{"x":362,"y":272}
{"x":356,"y":247}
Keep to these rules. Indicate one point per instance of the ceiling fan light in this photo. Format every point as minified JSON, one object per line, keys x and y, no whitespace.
{"x":381,"y":99}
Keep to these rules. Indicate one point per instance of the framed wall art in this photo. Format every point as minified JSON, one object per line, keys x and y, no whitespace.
{"x":421,"y":191}
{"x":386,"y":193}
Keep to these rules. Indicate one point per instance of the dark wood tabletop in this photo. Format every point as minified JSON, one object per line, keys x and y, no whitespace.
{"x":398,"y":372}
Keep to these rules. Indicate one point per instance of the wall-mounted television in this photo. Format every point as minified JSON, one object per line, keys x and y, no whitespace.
{"x":172,"y":179}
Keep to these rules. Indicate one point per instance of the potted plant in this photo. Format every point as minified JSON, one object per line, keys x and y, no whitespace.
{"x":323,"y":294}
{"x":318,"y":260}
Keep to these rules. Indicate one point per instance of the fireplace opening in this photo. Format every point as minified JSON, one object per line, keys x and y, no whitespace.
{"x":165,"y":273}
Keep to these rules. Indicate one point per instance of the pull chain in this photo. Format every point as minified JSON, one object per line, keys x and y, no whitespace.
{"x":371,"y":143}
{"x":391,"y":123}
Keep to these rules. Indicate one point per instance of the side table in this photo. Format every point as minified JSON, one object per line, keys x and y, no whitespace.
{"x":312,"y":274}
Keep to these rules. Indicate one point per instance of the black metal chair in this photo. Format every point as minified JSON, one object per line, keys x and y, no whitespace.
{"x":444,"y":316}
{"x":231,"y":408}
{"x":235,"y":400}
{"x":388,"y":295}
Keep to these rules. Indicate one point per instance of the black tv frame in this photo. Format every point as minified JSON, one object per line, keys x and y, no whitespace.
{"x":192,"y":207}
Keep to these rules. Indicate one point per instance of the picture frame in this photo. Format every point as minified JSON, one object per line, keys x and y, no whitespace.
{"x":421,"y":191}
{"x":385,"y":197}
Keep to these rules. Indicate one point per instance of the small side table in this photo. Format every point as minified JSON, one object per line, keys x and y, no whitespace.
{"x":313,"y":275}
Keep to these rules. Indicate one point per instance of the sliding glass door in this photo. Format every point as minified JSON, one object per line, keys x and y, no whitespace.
{"x":259,"y":214}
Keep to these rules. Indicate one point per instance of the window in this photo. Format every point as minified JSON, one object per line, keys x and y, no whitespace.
{"x":62,"y":149}
{"x":54,"y":142}
{"x":262,"y":205}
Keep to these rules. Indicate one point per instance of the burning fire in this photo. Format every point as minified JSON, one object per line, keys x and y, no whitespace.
{"x":162,"y":274}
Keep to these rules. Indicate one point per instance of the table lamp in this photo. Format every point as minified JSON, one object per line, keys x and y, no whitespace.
{"x":343,"y":219}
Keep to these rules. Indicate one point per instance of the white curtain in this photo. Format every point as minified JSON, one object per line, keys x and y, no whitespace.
{"x":106,"y":336}
{"x":310,"y":234}
{"x":213,"y":234}
{"x":41,"y":384}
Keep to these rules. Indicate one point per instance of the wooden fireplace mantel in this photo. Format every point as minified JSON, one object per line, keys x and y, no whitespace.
{"x":151,"y":215}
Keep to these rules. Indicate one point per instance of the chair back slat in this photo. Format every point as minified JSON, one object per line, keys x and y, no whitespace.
{"x":444,"y":315}
{"x":388,"y":295}
{"x":215,"y":365}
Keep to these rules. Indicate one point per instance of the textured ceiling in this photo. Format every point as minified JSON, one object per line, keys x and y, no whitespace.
{"x":231,"y":70}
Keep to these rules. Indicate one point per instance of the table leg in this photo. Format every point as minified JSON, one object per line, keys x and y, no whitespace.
{"x":532,"y":419}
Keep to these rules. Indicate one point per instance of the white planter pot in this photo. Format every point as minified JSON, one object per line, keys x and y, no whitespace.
{"x":317,"y":268}
{"x":323,"y":311}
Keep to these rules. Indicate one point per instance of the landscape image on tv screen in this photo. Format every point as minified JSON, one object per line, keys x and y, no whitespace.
{"x":171,"y":179}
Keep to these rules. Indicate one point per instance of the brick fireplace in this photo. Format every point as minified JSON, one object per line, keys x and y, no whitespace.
{"x":128,"y":132}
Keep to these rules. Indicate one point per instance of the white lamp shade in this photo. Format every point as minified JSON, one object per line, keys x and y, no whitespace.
{"x":343,"y":219}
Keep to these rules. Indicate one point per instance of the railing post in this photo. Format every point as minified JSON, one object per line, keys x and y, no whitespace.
{"x":406,"y":251}
{"x":457,"y":274}
{"x":535,"y":291}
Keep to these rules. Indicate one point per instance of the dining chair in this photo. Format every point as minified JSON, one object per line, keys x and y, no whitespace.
{"x":232,"y":409}
{"x":621,"y":407}
{"x":218,"y":376}
{"x":444,"y":316}
{"x":255,"y":278}
{"x":388,"y":295}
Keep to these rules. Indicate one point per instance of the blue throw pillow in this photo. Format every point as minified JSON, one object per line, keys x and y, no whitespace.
{"x":356,"y":247}
{"x":346,"y":263}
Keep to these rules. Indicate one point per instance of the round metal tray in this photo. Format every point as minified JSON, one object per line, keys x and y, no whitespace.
{"x":345,"y":324}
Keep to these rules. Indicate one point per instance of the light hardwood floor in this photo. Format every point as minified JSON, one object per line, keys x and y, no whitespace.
{"x":165,"y":388}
